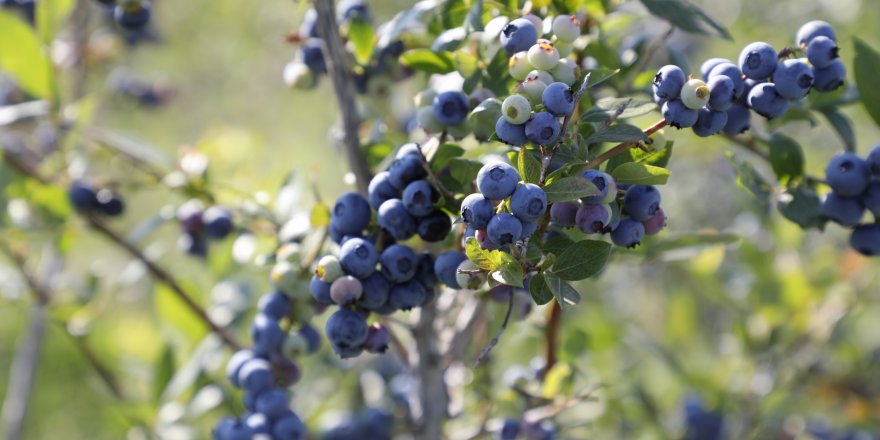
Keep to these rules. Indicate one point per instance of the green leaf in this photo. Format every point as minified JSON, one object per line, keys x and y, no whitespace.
{"x":866,"y":64}
{"x":173,"y":312}
{"x":163,"y":372}
{"x":320,"y":215}
{"x":685,"y":16}
{"x":428,"y":61}
{"x":619,"y":132}
{"x":51,"y":14}
{"x":843,"y":126}
{"x":444,"y":154}
{"x":786,"y":157}
{"x":360,"y":33}
{"x":22,"y":57}
{"x":563,"y":292}
{"x":598,"y":76}
{"x":748,"y":178}
{"x":556,"y":245}
{"x":510,"y":273}
{"x":582,"y":260}
{"x":528,"y":165}
{"x":802,"y":206}
{"x":570,"y":188}
{"x":464,"y":171}
{"x":473,"y":21}
{"x":539,"y":290}
{"x":658,"y":158}
{"x":484,"y":259}
{"x":640,"y":174}
{"x":621,"y":107}
{"x":692,"y":240}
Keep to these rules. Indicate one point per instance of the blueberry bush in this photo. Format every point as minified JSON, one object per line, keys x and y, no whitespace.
{"x":463,"y":220}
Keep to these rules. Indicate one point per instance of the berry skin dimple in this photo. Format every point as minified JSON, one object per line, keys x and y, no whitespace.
{"x":829,"y":78}
{"x":542,"y":128}
{"x":504,"y":229}
{"x":793,"y":79}
{"x":558,"y":99}
{"x":497,"y":180}
{"x":519,"y":35}
{"x":528,"y":202}
{"x":641,"y":202}
{"x":516,"y":109}
{"x":451,"y":108}
{"x":847,"y":174}
{"x":822,"y":51}
{"x":668,"y":82}
{"x":758,"y":60}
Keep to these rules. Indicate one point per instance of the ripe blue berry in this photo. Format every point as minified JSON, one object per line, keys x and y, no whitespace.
{"x":528,"y":228}
{"x":721,"y":93}
{"x":83,"y":196}
{"x":451,"y":108}
{"x":509,"y":133}
{"x":845,"y":211}
{"x":829,"y":78}
{"x":678,"y":115}
{"x":346,"y":289}
{"x":542,"y":129}
{"x":509,"y":430}
{"x":731,"y":71}
{"x":812,"y":29}
{"x":528,"y":202}
{"x":476,"y":211}
{"x":847,"y":174}
{"x":564,"y":213}
{"x":289,"y":427}
{"x":629,"y":233}
{"x":258,"y":423}
{"x":873,"y":161}
{"x":709,"y":122}
{"x":217,"y":222}
{"x":504,"y":229}
{"x":132,"y":16}
{"x":396,"y":220}
{"x":312,"y":338}
{"x":656,"y":223}
{"x":710,"y":64}
{"x":267,"y":334}
{"x":255,"y":375}
{"x":593,"y":219}
{"x":871,"y":198}
{"x":231,"y":429}
{"x":351,"y":213}
{"x":378,"y":339}
{"x":233,"y":367}
{"x":425,"y":271}
{"x":793,"y":79}
{"x":313,"y":55}
{"x":497,"y":180}
{"x":381,"y":189}
{"x":445,"y":266}
{"x":668,"y":82}
{"x":641,"y":202}
{"x":110,"y":204}
{"x":866,"y":239}
{"x":822,"y":51}
{"x":407,"y":295}
{"x":275,"y":305}
{"x":604,"y":183}
{"x":558,"y":99}
{"x":358,"y":257}
{"x":418,"y":198}
{"x":519,"y":35}
{"x":376,"y":289}
{"x":765,"y":100}
{"x":434,"y":227}
{"x":758,"y":60}
{"x":406,"y":169}
{"x":273,"y":403}
{"x":346,"y":329}
{"x":320,"y":291}
{"x":738,"y":120}
{"x":399,"y":263}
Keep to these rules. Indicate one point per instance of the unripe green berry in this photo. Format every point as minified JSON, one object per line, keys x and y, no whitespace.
{"x":543,"y":55}
{"x":566,"y":28}
{"x":536,"y":22}
{"x":564,"y":48}
{"x":425,"y":98}
{"x":542,"y":75}
{"x":516,"y":109}
{"x":459,"y":131}
{"x":328,"y":269}
{"x":483,"y":118}
{"x":658,"y":140}
{"x":295,"y":345}
{"x":533,"y":90}
{"x":428,"y":120}
{"x":298,"y":76}
{"x":284,"y":277}
{"x":289,"y":252}
{"x":469,"y":276}
{"x":519,"y":66}
{"x":695,"y":94}
{"x":565,"y":71}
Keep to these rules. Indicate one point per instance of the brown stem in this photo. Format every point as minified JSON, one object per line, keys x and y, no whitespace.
{"x":343,"y":86}
{"x":622,"y":147}
{"x":551,"y":334}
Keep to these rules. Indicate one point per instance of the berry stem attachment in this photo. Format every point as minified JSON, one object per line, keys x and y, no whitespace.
{"x":624,"y":146}
{"x":548,"y":154}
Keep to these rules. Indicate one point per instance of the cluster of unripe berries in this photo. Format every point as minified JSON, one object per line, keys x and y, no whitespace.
{"x":373,"y":273}
{"x":855,"y":187}
{"x":627,"y":219}
{"x":131,"y":15}
{"x":199,"y":225}
{"x":88,"y":199}
{"x":265,"y":372}
{"x":763,"y":81}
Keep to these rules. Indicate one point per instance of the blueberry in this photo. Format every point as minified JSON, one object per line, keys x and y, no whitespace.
{"x":109,"y":203}
{"x":378,"y":338}
{"x":516,"y":109}
{"x":83,"y":196}
{"x":396,"y":220}
{"x":509,"y":430}
{"x":564,"y":213}
{"x":418,"y":198}
{"x":702,"y":423}
{"x":445,"y":266}
{"x":766,"y":101}
{"x":793,"y":79}
{"x":217,"y":222}
{"x":710,"y":64}
{"x":528,"y":202}
{"x":258,"y":423}
{"x":668,"y":82}
{"x":678,"y":115}
{"x":629,"y":233}
{"x":358,"y":257}
{"x":845,"y":211}
{"x":509,"y":133}
{"x":275,"y":305}
{"x":407,"y":295}
{"x":604,"y":183}
{"x":656,"y":223}
{"x":641,"y":202}
{"x":320,"y":291}
{"x":266,"y":334}
{"x":451,"y":108}
{"x":542,"y":128}
{"x":381,"y":189}
{"x":519,"y":35}
{"x":233,"y":367}
{"x":399,"y":263}
{"x":425,"y":271}
{"x":289,"y":427}
{"x":406,"y":169}
{"x":709,"y":122}
{"x":312,"y":54}
{"x":528,"y":228}
{"x":558,"y":99}
{"x":829,"y":78}
{"x":352,"y":9}
{"x":273,"y":403}
{"x":193,"y":244}
{"x":822,"y":51}
{"x":721,"y":93}
{"x":309,"y":26}
{"x":758,"y":60}
{"x":592,"y":219}
{"x":812,"y":29}
{"x":476,"y":211}
{"x":434,"y":227}
{"x":426,"y":119}
{"x":738,"y":120}
{"x":312,"y":337}
{"x":504,"y":229}
{"x":231,"y":429}
{"x":866,"y":239}
{"x":346,"y":289}
{"x":483,"y":238}
{"x":873,"y":161}
{"x":731,"y":71}
{"x":132,"y":16}
{"x":255,"y":375}
{"x":346,"y":329}
{"x":375,"y":291}
{"x":351,"y":213}
{"x":497,"y":180}
{"x":847,"y":174}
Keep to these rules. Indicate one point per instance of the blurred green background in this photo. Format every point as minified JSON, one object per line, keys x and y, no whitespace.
{"x":777,"y":329}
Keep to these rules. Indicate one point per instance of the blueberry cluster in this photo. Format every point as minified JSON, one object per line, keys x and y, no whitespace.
{"x":764,"y":81}
{"x":372,"y":272}
{"x":855,"y":187}
{"x":130,"y":15}
{"x":505,"y":210}
{"x":627,"y":219}
{"x":265,"y":372}
{"x":88,"y":199}
{"x":200,"y":224}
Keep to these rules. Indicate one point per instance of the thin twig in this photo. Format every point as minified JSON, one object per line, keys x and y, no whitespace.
{"x":494,"y":341}
{"x":622,"y":147}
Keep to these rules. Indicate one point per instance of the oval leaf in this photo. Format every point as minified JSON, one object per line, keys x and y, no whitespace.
{"x":570,"y":188}
{"x":640,"y":174}
{"x":582,"y":260}
{"x":428,"y":61}
{"x":866,"y":66}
